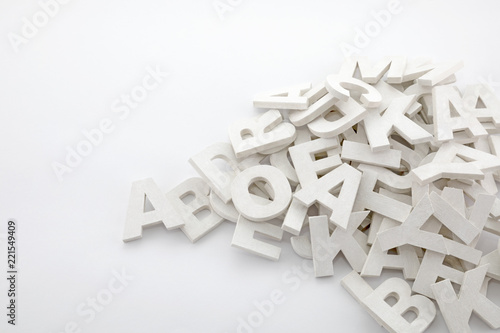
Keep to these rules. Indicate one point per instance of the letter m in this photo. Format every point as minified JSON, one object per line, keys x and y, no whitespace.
{"x":394,"y":66}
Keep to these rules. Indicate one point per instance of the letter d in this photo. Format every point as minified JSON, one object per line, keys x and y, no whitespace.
{"x":72,"y":158}
{"x":51,"y":7}
{"x":28,"y":30}
{"x":243,"y":327}
{"x":361,"y":39}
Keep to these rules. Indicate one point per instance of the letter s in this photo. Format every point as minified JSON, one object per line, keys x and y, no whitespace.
{"x":123,"y":109}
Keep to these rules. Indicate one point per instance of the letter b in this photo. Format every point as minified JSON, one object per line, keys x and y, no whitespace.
{"x":94,"y":135}
{"x":383,"y":17}
{"x":51,"y":7}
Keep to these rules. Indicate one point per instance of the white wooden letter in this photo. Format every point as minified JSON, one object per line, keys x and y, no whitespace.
{"x":137,"y":218}
{"x":379,"y":203}
{"x":325,"y":247}
{"x":457,"y":310}
{"x":306,"y":166}
{"x":218,"y":180}
{"x":349,"y":112}
{"x":279,"y":189}
{"x":194,"y":227}
{"x":391,"y":317}
{"x":319,"y":191}
{"x":409,"y":232}
{"x":379,"y":128}
{"x":340,"y":86}
{"x":259,"y":134}
{"x":443,"y":99}
{"x":394,"y":66}
{"x":243,"y":238}
{"x":289,"y":98}
{"x":361,"y":153}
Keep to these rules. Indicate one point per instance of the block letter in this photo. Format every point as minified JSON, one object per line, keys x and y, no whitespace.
{"x":137,"y":218}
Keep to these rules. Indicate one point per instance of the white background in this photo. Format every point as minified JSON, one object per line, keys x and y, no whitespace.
{"x":65,"y":79}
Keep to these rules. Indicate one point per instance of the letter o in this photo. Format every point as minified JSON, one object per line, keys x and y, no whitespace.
{"x":84,"y":145}
{"x":36,"y":19}
{"x":244,"y":202}
{"x":104,"y":297}
{"x":371,"y":32}
{"x":259,"y":319}
{"x":139,"y":93}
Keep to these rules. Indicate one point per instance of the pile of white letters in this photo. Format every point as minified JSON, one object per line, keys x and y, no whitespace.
{"x":388,"y":163}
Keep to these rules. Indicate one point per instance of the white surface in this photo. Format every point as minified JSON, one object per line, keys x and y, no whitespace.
{"x":66,"y":79}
